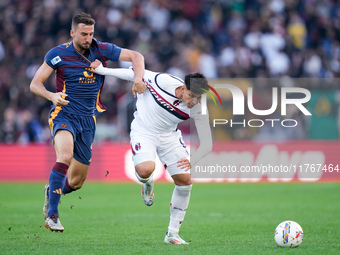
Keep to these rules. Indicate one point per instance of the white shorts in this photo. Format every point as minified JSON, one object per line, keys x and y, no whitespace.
{"x":169,"y":147}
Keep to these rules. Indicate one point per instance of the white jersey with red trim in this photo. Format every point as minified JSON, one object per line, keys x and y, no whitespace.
{"x":158,"y":109}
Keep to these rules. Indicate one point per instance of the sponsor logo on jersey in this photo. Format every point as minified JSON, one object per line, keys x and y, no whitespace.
{"x":160,"y":99}
{"x":165,"y":104}
{"x":56,"y":60}
{"x":88,"y":76}
{"x":64,"y":125}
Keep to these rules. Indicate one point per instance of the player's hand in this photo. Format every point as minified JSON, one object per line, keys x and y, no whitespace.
{"x":94,"y":65}
{"x":57,"y":99}
{"x":184,"y":163}
{"x":139,"y":87}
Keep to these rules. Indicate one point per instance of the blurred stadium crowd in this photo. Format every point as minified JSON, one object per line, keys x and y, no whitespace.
{"x":221,"y":39}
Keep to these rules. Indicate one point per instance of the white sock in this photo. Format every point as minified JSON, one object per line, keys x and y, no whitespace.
{"x":144,"y":180}
{"x":178,"y":207}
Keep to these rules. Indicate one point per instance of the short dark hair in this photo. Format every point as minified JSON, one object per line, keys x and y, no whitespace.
{"x":83,"y":18}
{"x":196,"y":82}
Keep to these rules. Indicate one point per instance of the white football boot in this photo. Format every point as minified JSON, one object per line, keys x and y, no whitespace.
{"x":173,"y":238}
{"x":53,"y":223}
{"x":46,"y":204}
{"x":147,"y":193}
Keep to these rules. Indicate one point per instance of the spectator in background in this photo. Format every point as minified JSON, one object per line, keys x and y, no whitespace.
{"x":297,"y":31}
{"x":9,"y":127}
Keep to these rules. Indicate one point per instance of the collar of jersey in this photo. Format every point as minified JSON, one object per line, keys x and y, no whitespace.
{"x":80,"y":53}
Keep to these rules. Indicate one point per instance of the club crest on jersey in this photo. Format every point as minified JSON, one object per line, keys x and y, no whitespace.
{"x":138,"y":146}
{"x":55,"y":60}
{"x":176,"y":102}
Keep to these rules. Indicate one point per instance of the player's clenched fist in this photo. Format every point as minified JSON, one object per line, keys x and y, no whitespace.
{"x":139,"y":87}
{"x":94,"y":65}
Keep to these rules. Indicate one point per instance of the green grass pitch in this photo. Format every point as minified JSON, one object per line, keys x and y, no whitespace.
{"x":104,"y":218}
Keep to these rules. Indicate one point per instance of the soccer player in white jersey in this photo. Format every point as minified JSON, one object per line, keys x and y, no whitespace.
{"x":167,"y":102}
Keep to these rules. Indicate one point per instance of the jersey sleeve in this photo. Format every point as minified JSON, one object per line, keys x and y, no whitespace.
{"x":52,"y":58}
{"x":121,"y":73}
{"x":203,"y":132}
{"x":124,"y":73}
{"x":109,"y":50}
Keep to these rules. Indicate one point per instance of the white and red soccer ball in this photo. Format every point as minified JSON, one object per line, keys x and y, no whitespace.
{"x":288,"y":234}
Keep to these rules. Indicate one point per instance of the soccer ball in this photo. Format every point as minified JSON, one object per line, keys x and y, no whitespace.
{"x":288,"y":234}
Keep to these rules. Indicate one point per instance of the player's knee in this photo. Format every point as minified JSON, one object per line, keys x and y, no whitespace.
{"x":144,"y":172}
{"x":182,"y":179}
{"x":145,"y":169}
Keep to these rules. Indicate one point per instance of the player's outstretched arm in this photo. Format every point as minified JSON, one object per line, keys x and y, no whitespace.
{"x":120,"y":73}
{"x":137,"y":61}
{"x":38,"y":88}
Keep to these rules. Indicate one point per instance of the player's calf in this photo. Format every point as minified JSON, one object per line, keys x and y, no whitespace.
{"x":46,"y":203}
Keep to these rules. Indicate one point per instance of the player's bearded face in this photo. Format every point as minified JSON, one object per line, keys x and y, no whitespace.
{"x":83,"y":36}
